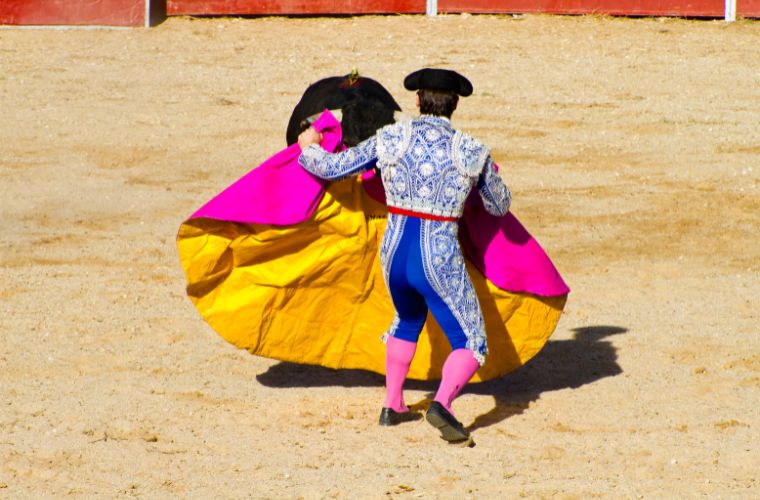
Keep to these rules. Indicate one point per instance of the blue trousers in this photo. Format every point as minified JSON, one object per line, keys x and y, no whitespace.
{"x":412,"y":293}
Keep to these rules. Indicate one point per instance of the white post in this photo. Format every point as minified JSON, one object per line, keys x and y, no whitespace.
{"x":147,"y":13}
{"x":730,"y":11}
{"x":432,"y":7}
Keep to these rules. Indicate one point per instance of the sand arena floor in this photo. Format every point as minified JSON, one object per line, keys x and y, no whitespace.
{"x":632,"y":148}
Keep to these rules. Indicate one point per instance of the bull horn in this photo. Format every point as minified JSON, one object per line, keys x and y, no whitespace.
{"x":308,"y":122}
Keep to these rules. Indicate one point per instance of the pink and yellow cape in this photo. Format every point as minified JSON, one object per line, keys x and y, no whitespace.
{"x":286,"y":266}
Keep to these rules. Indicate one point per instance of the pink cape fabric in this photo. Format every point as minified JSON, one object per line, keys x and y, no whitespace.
{"x":280,"y":192}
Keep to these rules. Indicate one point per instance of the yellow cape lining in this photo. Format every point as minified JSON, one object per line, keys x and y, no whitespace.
{"x":314,"y":293}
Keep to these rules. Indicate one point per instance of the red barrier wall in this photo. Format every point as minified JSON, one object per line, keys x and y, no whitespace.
{"x":198,"y":7}
{"x":73,"y":12}
{"x":696,"y":8}
{"x":133,"y":12}
{"x":699,"y":8}
{"x":685,"y":8}
{"x":748,"y":8}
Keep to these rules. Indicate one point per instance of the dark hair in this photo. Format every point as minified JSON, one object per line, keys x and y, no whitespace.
{"x":437,"y":102}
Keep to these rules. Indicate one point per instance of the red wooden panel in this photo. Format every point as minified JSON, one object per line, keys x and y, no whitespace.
{"x":696,"y":8}
{"x":748,"y":8}
{"x":198,"y":7}
{"x":699,"y":8}
{"x":73,"y":12}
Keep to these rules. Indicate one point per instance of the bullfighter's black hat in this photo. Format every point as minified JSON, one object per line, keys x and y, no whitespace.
{"x":438,"y":79}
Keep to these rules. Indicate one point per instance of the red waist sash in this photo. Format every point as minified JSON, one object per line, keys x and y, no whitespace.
{"x":403,"y":211}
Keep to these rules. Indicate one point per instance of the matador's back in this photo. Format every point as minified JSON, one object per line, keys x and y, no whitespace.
{"x":429,"y":167}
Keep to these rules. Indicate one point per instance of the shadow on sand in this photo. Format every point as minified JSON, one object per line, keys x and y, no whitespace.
{"x":561,"y":364}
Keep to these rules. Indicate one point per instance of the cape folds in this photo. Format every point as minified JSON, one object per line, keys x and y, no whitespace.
{"x":286,"y":265}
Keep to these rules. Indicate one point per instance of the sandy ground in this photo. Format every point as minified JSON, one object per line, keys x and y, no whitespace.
{"x":632,"y":148}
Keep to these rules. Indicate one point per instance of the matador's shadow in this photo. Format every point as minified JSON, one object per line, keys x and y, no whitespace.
{"x":561,"y":364}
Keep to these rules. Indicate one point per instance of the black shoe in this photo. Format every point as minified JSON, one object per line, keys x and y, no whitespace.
{"x":389,"y":416}
{"x":451,"y":429}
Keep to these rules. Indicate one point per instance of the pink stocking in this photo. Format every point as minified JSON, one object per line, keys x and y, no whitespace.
{"x":458,"y":369}
{"x":398,"y":356}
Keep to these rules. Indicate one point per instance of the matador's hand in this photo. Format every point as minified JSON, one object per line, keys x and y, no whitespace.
{"x":309,"y":136}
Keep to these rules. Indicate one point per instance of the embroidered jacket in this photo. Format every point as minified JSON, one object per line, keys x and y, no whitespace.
{"x":426,"y":166}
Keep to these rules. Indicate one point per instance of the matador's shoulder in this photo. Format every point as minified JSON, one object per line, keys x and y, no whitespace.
{"x":469,"y":153}
{"x":393,"y":139}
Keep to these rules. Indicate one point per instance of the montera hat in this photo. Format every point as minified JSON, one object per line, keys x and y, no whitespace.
{"x":438,"y":79}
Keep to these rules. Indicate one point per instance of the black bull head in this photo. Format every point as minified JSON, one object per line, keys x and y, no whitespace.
{"x":365,"y":106}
